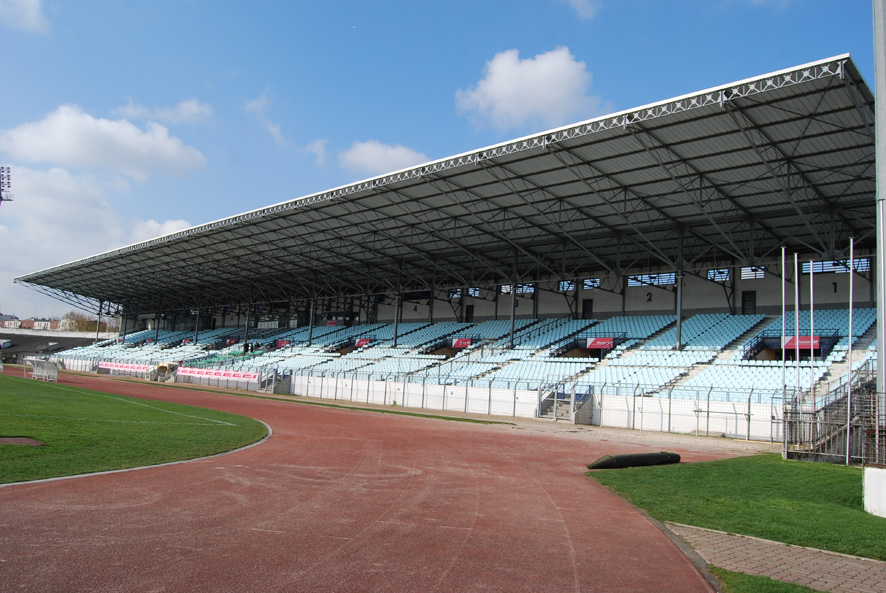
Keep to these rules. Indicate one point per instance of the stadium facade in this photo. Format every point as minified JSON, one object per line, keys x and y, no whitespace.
{"x":693,"y":205}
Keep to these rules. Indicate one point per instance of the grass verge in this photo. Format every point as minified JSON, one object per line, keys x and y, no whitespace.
{"x":86,"y":431}
{"x":806,"y":504}
{"x":737,"y":582}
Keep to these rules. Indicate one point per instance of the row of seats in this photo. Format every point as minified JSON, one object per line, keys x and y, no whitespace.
{"x":648,"y":368}
{"x":827,"y":319}
{"x":712,"y":331}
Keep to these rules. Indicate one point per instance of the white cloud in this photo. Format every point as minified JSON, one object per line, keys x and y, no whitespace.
{"x":586,"y":9}
{"x":374,"y":157}
{"x":190,"y":111}
{"x":145,"y":230}
{"x":549,"y":89}
{"x":318,"y":149}
{"x":275,"y":131}
{"x":259,"y":107}
{"x":71,"y":138}
{"x":25,"y":15}
{"x":60,"y":217}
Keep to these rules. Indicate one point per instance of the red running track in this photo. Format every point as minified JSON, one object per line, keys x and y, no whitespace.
{"x":341,"y":500}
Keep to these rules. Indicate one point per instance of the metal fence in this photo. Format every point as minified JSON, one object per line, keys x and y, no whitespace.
{"x":811,"y":425}
{"x":842,"y":425}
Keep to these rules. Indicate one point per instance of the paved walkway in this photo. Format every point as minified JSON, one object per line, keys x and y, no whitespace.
{"x":817,"y":569}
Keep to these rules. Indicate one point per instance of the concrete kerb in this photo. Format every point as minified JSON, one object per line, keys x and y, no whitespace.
{"x":694,"y":557}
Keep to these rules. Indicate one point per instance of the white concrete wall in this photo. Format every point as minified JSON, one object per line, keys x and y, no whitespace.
{"x":874,"y":487}
{"x":737,"y":420}
{"x":741,"y":420}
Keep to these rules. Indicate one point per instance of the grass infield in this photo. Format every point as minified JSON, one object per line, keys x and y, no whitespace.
{"x":86,"y":431}
{"x":817,"y":505}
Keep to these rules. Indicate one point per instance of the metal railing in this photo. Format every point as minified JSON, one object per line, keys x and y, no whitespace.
{"x":827,"y":427}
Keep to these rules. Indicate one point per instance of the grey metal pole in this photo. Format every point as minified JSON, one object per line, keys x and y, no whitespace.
{"x":513,"y":305}
{"x":784,"y":359}
{"x":513,"y":315}
{"x":197,"y":327}
{"x":679,"y":307}
{"x":880,"y":151}
{"x":396,"y":317}
{"x":797,"y":321}
{"x":811,"y":333}
{"x":679,"y":344}
{"x":311,"y":322}
{"x":431,"y":304}
{"x":98,"y":322}
{"x":849,"y":385}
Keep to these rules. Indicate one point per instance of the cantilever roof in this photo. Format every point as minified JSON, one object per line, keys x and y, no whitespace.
{"x":728,"y":174}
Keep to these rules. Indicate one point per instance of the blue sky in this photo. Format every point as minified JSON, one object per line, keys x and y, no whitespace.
{"x":123,"y":121}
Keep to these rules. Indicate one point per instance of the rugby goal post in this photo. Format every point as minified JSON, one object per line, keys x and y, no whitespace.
{"x":45,"y":370}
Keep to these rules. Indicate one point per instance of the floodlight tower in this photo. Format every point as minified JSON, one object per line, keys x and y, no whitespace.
{"x":5,"y":185}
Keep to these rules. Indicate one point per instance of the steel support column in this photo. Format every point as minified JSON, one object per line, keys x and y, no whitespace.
{"x":680,"y":264}
{"x":397,"y":309}
{"x":310,"y":322}
{"x":513,"y":305}
{"x":98,"y":322}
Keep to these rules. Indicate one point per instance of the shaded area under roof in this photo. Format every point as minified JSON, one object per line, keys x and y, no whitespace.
{"x":725,"y":176}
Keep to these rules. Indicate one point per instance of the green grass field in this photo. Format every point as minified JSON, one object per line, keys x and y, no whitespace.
{"x":817,"y":505}
{"x":86,"y":431}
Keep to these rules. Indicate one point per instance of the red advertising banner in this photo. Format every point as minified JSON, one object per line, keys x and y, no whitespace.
{"x":123,"y":366}
{"x":599,"y":343}
{"x":461,"y":343}
{"x":281,"y":343}
{"x":791,"y":343}
{"x":219,"y":374}
{"x":361,"y":342}
{"x":331,"y":322}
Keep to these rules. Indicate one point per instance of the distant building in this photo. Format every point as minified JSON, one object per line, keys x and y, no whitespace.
{"x":67,"y":325}
{"x":44,"y":324}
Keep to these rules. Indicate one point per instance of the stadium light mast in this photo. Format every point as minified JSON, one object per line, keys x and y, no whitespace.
{"x":5,"y":185}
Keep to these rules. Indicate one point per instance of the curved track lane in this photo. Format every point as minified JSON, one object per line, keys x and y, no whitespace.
{"x":341,"y":500}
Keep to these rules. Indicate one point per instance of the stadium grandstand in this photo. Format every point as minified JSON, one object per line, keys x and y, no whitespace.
{"x":703,"y":264}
